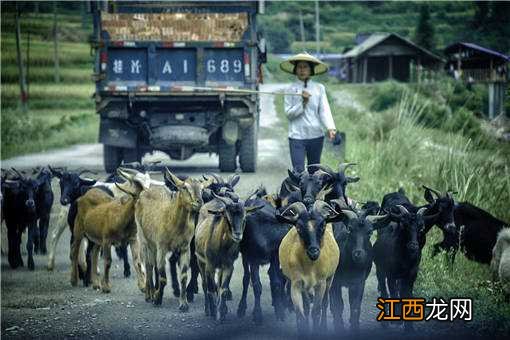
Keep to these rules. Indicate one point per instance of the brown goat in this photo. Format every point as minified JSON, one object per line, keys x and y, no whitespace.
{"x":107,"y":221}
{"x":309,"y":256}
{"x":219,"y":232}
{"x":166,"y":223}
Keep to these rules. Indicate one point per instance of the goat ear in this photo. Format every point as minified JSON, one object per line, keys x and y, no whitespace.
{"x":216,"y":212}
{"x":234,"y":180}
{"x":173,"y":179}
{"x":352,"y":179}
{"x":290,"y":186}
{"x":295,"y":177}
{"x":253,"y":208}
{"x":428,"y":196}
{"x":10,"y":184}
{"x":87,"y":182}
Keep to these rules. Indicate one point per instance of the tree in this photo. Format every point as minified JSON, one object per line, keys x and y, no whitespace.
{"x":279,"y":37}
{"x":424,"y":35}
{"x":19,"y":59}
{"x":55,"y":44}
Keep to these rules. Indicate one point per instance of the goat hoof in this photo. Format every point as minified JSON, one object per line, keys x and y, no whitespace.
{"x":127,"y":273}
{"x":106,"y":288}
{"x":257,"y":319}
{"x":183,"y":308}
{"x":190,"y":296}
{"x":241,"y":311}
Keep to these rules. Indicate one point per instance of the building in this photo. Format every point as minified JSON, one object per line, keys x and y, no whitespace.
{"x":382,"y":56}
{"x":472,"y":63}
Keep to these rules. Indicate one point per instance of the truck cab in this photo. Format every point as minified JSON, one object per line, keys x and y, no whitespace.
{"x":167,"y":75}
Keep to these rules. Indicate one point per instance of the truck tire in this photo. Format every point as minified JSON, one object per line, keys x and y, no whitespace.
{"x":248,"y":149}
{"x":112,"y":157}
{"x":227,"y":156}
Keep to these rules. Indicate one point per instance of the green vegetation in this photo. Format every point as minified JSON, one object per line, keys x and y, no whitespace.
{"x":59,"y":114}
{"x":406,"y":135}
{"x":479,"y":22}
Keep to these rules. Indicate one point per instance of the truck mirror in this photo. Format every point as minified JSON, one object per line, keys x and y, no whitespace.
{"x":262,"y":50}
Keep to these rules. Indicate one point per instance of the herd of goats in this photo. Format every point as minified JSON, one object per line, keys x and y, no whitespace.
{"x":315,"y":238}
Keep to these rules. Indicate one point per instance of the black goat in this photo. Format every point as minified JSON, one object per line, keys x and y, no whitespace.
{"x":397,"y":254}
{"x":44,"y":202}
{"x":356,"y":256}
{"x":20,"y":211}
{"x":261,"y":239}
{"x":476,"y":233}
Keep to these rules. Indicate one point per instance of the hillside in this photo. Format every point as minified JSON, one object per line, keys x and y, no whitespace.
{"x":341,"y":21}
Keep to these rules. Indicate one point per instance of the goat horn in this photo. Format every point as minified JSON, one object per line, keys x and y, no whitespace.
{"x":349,"y":213}
{"x":322,"y":167}
{"x":344,"y":166}
{"x":217,"y":178}
{"x":18,"y":173}
{"x":438,"y":194}
{"x":324,"y":192}
{"x":224,"y":200}
{"x":129,"y":170}
{"x":85,"y":171}
{"x":402,"y":209}
{"x":421,"y":211}
{"x":375,"y":218}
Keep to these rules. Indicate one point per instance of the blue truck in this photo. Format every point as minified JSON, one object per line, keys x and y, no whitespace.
{"x":150,"y":59}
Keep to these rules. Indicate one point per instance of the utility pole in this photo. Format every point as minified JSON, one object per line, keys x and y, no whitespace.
{"x":317,"y":26}
{"x":21,"y":69}
{"x":55,"y":44}
{"x":301,"y":26}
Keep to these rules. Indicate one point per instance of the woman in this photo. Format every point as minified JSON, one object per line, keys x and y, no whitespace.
{"x":309,"y":114}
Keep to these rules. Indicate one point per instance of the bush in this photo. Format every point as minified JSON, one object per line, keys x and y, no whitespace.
{"x":386,"y":95}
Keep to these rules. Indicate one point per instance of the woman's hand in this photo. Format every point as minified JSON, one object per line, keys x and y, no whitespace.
{"x":306,"y":95}
{"x":331,"y":134}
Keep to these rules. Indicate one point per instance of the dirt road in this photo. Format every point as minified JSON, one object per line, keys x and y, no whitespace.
{"x":43,"y":304}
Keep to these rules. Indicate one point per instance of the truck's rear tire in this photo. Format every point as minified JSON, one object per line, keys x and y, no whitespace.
{"x":248,"y":149}
{"x":227,"y":156}
{"x":112,"y":157}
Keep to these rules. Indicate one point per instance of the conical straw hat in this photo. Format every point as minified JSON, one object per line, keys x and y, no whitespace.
{"x":289,"y":64}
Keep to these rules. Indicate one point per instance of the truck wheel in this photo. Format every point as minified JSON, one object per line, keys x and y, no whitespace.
{"x":248,"y":149}
{"x":112,"y":157}
{"x":227,"y":155}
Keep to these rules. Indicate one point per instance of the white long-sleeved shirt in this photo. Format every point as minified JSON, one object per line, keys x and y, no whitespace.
{"x":309,"y":121}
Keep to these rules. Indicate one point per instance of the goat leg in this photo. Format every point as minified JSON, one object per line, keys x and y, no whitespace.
{"x":172,"y":262}
{"x":355,"y":298}
{"x":94,"y":277}
{"x":337,"y":305}
{"x":106,"y":287}
{"x":134,"y":245}
{"x":318,"y":296}
{"x":44,"y":223}
{"x":55,"y":236}
{"x":296,"y":294}
{"x":160,"y":265}
{"x":192,"y":288}
{"x":241,"y":308}
{"x":226,"y":275}
{"x":257,"y":291}
{"x":32,"y":229}
{"x":75,"y":249}
{"x":183,"y":266}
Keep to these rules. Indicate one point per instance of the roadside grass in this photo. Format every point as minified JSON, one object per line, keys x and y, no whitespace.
{"x":60,"y":114}
{"x":38,"y":131}
{"x":393,"y":148}
{"x":45,"y":74}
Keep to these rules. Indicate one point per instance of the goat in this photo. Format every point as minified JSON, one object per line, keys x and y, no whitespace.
{"x":219,"y":231}
{"x":397,"y":254}
{"x":500,"y":263}
{"x":20,"y":208}
{"x":261,"y":239}
{"x":308,"y":257}
{"x":166,"y":223}
{"x":219,"y":186}
{"x":353,"y":239}
{"x":106,"y":221}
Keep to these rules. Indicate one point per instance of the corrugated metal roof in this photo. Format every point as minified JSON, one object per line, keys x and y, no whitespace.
{"x":370,"y":42}
{"x":452,"y":48}
{"x":377,"y":38}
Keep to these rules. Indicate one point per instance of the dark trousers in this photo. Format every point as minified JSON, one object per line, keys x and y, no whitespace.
{"x":312,"y":148}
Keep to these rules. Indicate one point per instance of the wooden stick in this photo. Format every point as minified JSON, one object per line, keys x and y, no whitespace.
{"x":234,"y":90}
